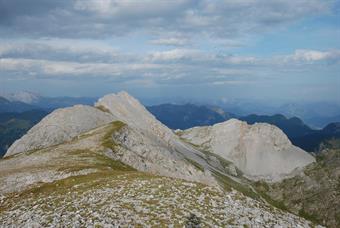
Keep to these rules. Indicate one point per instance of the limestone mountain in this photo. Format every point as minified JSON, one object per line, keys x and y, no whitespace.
{"x":60,"y":126}
{"x":14,"y":106}
{"x":116,"y":164}
{"x":259,"y":150}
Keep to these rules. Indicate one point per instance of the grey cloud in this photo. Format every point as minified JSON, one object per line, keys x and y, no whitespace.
{"x":63,"y":50}
{"x":59,"y":59}
{"x":107,"y":18}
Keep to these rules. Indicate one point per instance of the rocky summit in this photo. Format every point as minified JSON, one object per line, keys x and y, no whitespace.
{"x":60,"y":126}
{"x":260,"y":151}
{"x":115,"y":164}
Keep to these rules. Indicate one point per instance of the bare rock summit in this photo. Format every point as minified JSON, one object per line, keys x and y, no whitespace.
{"x":260,"y":151}
{"x":60,"y":126}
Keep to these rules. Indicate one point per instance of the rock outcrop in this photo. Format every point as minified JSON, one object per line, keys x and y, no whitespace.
{"x":60,"y":126}
{"x":260,"y":151}
{"x":128,"y":110}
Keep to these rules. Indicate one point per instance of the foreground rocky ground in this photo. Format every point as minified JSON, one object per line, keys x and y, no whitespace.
{"x":116,"y":198}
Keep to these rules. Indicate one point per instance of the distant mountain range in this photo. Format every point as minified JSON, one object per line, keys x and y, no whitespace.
{"x":293,"y":127}
{"x":189,"y":115}
{"x":186,"y":116}
{"x":176,"y":116}
{"x":14,"y":106}
{"x":315,"y":139}
{"x":24,"y":101}
{"x":315,"y":114}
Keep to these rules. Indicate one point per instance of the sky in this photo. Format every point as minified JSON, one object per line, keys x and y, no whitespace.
{"x":202,"y":49}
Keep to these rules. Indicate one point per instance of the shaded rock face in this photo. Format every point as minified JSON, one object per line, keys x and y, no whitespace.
{"x":60,"y":126}
{"x":261,"y":151}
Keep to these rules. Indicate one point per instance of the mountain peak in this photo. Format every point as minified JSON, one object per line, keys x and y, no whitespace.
{"x":60,"y":126}
{"x":125,"y":94}
{"x":260,"y":151}
{"x":129,"y":110}
{"x":22,"y":96}
{"x":332,"y":128}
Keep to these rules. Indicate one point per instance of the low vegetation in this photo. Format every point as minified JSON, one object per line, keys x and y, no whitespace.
{"x":315,"y":193}
{"x":107,"y":140}
{"x":118,"y":198}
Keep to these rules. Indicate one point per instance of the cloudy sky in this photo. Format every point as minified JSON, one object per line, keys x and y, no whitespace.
{"x":284,"y":50}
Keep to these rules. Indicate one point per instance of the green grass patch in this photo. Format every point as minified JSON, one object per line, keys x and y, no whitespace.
{"x":227,"y":183}
{"x":107,"y":140}
{"x":89,"y":159}
{"x":80,"y":183}
{"x":311,"y":217}
{"x":262,"y":188}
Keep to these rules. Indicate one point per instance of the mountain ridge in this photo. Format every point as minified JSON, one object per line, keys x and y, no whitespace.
{"x":120,"y":106}
{"x":119,"y":140}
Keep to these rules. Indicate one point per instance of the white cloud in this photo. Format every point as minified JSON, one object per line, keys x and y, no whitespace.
{"x":313,"y":55}
{"x":54,"y":69}
{"x":66,"y":50}
{"x":176,"y":55}
{"x":52,"y":59}
{"x":171,"y":41}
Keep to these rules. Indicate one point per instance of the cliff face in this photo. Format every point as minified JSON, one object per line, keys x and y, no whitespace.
{"x":260,"y":151}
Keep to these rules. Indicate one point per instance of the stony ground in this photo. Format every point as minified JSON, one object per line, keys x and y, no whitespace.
{"x":76,"y":184}
{"x":116,"y":198}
